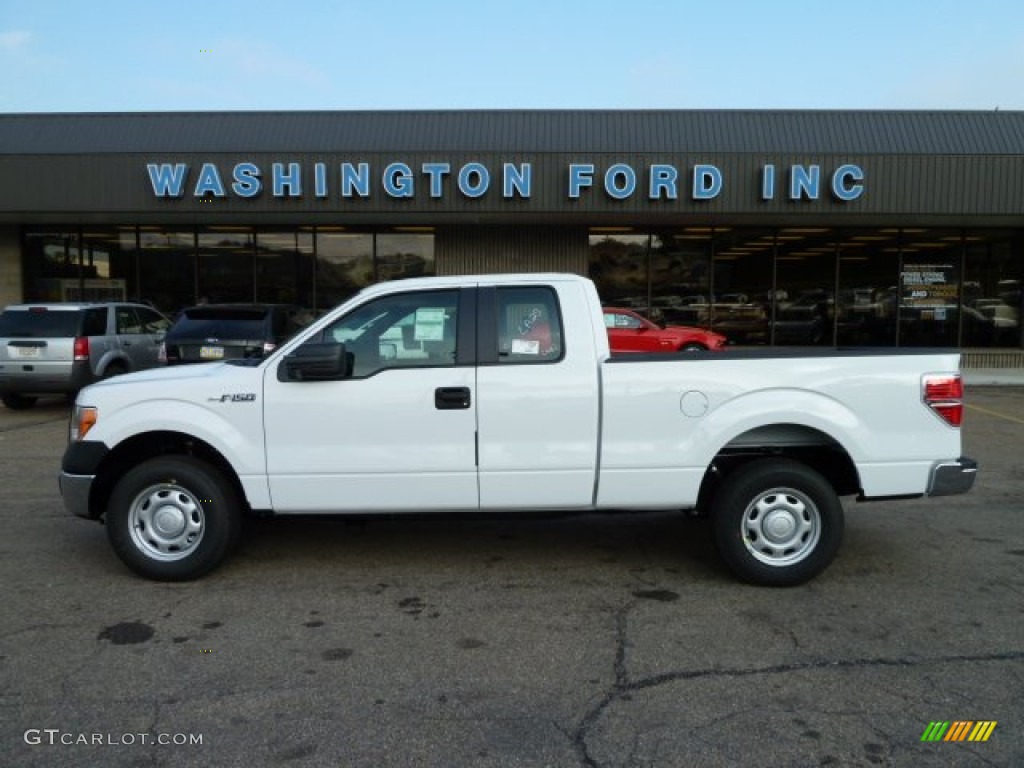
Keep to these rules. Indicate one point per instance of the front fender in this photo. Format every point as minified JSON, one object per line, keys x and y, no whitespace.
{"x":238,"y":436}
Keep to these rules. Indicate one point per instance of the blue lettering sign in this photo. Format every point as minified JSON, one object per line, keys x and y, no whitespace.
{"x":398,"y":181}
{"x":436,"y":172}
{"x":707,"y":182}
{"x":209,"y":182}
{"x":663,"y":179}
{"x":466,"y":184}
{"x":847,"y":182}
{"x":580,"y":175}
{"x":612,"y":185}
{"x":320,"y":179}
{"x":292,"y":180}
{"x":167,"y":179}
{"x":517,"y":180}
{"x":804,"y":182}
{"x":768,"y":183}
{"x":247,"y":180}
{"x":355,"y":181}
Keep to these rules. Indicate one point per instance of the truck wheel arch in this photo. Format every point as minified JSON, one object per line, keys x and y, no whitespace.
{"x":806,"y":445}
{"x":139,"y":448}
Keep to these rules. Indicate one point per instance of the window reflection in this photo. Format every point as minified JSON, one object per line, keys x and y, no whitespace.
{"x":52,"y":265}
{"x":680,"y":277}
{"x":344,"y":265}
{"x":805,"y":278}
{"x":226,"y":265}
{"x":167,"y":272}
{"x":929,"y":287}
{"x":993,"y":306}
{"x":742,"y":305}
{"x":284,"y":267}
{"x":619,"y":267}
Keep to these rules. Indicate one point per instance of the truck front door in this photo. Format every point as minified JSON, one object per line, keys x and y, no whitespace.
{"x":399,"y":434}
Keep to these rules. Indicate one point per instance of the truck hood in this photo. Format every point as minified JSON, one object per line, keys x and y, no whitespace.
{"x":184,"y":381}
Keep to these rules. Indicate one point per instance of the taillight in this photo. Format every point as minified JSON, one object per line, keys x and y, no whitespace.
{"x":161,"y":355}
{"x":944,"y":393}
{"x":81,"y":348}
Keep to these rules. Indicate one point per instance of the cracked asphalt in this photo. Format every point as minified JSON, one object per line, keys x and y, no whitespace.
{"x":591,"y":640}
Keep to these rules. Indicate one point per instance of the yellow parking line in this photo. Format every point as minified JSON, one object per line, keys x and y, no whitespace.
{"x":995,"y":413}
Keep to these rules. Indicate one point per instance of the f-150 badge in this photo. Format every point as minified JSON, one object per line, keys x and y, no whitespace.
{"x":243,"y":397}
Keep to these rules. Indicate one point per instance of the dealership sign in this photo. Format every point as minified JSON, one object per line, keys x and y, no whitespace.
{"x":398,"y":180}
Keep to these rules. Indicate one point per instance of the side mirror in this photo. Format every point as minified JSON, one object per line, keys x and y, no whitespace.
{"x":328,"y":361}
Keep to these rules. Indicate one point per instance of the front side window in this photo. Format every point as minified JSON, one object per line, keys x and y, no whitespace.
{"x":127,"y":321}
{"x":529,"y":326}
{"x":409,"y":330}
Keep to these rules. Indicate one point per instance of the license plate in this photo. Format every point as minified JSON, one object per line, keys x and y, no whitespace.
{"x":211,"y":353}
{"x":28,"y":351}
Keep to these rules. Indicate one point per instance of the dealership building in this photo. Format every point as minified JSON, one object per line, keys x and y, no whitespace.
{"x":849,"y":228}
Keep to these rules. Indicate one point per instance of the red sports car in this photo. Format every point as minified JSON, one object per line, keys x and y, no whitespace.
{"x":630,"y":332}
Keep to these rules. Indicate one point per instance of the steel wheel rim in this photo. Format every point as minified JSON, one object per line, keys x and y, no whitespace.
{"x":166,"y":522}
{"x":781,"y":527}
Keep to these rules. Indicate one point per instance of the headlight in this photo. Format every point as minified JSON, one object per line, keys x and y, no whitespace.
{"x":83,"y":417}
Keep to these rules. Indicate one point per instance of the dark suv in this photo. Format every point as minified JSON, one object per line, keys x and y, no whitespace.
{"x":59,"y":348}
{"x":211,"y":332}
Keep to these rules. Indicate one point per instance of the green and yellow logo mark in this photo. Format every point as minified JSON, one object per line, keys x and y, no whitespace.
{"x":959,"y":730}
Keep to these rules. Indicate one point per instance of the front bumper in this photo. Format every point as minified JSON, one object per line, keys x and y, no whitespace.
{"x":952,"y":477}
{"x":75,"y":490}
{"x":78,"y":470}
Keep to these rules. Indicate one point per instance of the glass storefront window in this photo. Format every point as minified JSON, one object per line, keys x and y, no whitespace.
{"x":226,"y":265}
{"x":284,"y":267}
{"x":742,"y":284}
{"x":805,"y":279}
{"x":868,"y":291}
{"x":680,"y":277}
{"x":52,"y":265}
{"x":344,"y":265}
{"x":929,"y":287}
{"x":167,"y":268}
{"x":402,"y":255}
{"x":993,"y":305}
{"x":619,"y":267}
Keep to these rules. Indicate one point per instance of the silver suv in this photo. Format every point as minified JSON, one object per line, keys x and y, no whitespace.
{"x":59,"y":348}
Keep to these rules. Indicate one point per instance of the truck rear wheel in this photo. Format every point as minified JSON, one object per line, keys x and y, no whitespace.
{"x":777,"y":522}
{"x":173,"y":518}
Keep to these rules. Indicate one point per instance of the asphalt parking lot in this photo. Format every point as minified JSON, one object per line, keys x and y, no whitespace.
{"x":594,"y":640}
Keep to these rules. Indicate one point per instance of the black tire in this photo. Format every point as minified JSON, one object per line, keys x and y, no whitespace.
{"x":173,"y":518}
{"x":802,"y":507}
{"x":693,"y":347}
{"x":18,"y":402}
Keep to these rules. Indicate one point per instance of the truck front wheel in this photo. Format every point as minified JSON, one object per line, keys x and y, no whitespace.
{"x":777,"y":522}
{"x":173,"y":518}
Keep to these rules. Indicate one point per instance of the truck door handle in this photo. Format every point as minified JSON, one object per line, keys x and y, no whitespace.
{"x":451,"y":398}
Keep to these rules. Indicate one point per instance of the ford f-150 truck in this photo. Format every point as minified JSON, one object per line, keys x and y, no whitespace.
{"x":499,"y":392}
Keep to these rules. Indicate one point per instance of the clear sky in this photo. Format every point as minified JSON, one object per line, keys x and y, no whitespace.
{"x":142,"y":55}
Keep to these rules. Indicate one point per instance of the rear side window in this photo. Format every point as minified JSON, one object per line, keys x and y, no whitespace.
{"x":95,"y":322}
{"x":529,"y":325}
{"x":40,"y":323}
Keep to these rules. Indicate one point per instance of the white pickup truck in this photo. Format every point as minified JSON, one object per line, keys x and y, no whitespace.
{"x":499,"y":393}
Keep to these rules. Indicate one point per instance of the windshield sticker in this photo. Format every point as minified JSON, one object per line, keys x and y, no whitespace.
{"x":429,"y":324}
{"x":525,"y":347}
